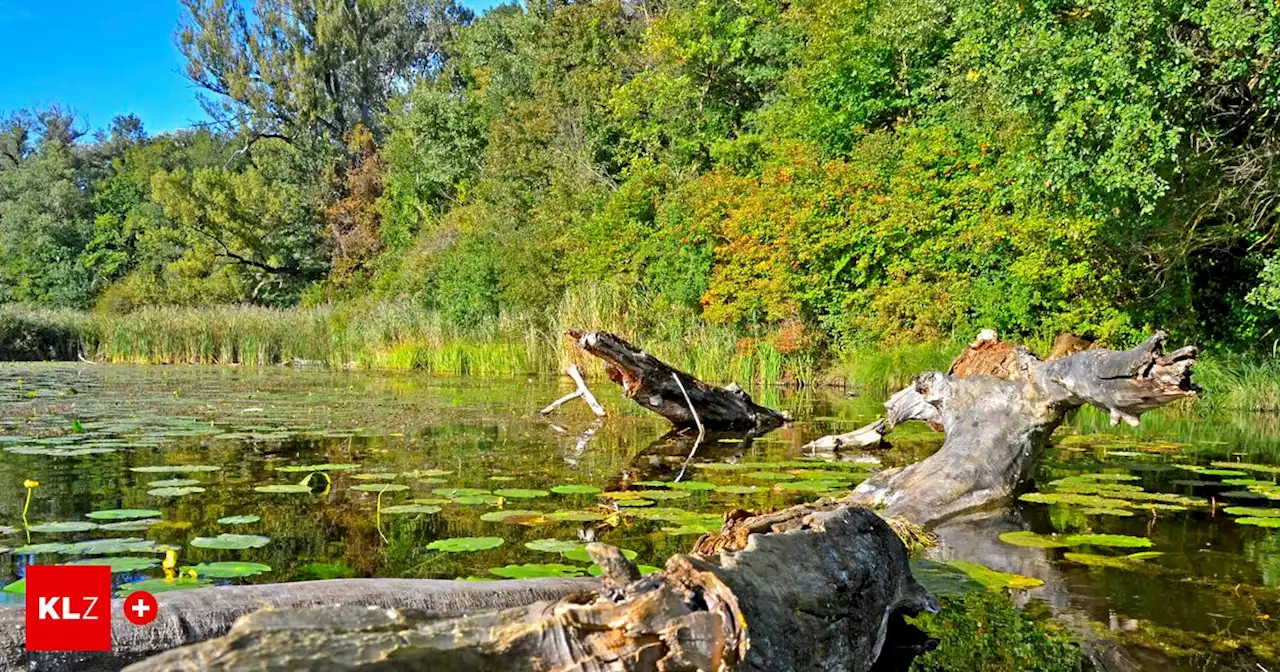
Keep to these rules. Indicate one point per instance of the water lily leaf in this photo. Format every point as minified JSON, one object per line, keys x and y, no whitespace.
{"x":283,"y":488}
{"x":459,"y":492}
{"x":739,"y":489}
{"x":521,"y":493}
{"x":1108,"y":561}
{"x":123,"y":514}
{"x":379,"y":487}
{"x":691,"y":529}
{"x":411,"y":508}
{"x":239,"y":520}
{"x":530,"y":571}
{"x":18,"y":587}
{"x":1258,"y":522}
{"x":652,"y":484}
{"x":645,"y":570}
{"x":427,"y":473}
{"x":580,"y":554}
{"x":553,"y":545}
{"x":1032,"y":540}
{"x":173,"y":483}
{"x":1253,"y":511}
{"x":431,"y":501}
{"x":718,"y":466}
{"x":514,"y":517}
{"x":1109,"y":477}
{"x":112,"y":546}
{"x":1075,"y":499}
{"x":1107,"y":540}
{"x":37,"y":549}
{"x":575,"y":489}
{"x":633,"y":502}
{"x":1209,"y":471}
{"x":994,"y":580}
{"x":659,"y":495}
{"x":121,"y":564}
{"x":131,"y":525}
{"x":175,"y":492}
{"x":692,"y":485}
{"x":662,"y":513}
{"x":942,"y":579}
{"x":770,"y":476}
{"x":822,"y":475}
{"x":578,"y":516}
{"x":476,"y":500}
{"x":176,"y":469}
{"x":1263,"y":468}
{"x":464,"y":544}
{"x":811,"y":486}
{"x":227,"y":570}
{"x":63,"y":527}
{"x":1143,"y":555}
{"x":231,"y":541}
{"x":298,"y":468}
{"x":163,"y":585}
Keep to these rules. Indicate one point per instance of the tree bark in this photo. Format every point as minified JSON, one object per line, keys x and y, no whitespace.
{"x":657,"y":386}
{"x":811,"y":588}
{"x":998,"y":428}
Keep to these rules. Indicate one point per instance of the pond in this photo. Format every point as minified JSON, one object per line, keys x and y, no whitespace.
{"x":283,"y":475}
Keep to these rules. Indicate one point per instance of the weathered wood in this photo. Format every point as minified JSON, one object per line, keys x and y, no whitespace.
{"x":870,"y":435}
{"x":816,"y":593}
{"x":998,"y":428}
{"x":660,"y":388}
{"x":582,"y":391}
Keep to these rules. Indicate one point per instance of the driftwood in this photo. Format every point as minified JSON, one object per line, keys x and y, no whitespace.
{"x":583,"y":391}
{"x":863,"y":437}
{"x":998,"y":428}
{"x":810,"y":588}
{"x":662,"y":389}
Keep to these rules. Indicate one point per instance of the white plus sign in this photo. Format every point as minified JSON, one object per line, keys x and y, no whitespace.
{"x":140,"y":608}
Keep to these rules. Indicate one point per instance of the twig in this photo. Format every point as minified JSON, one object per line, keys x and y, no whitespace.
{"x":702,"y":432}
{"x":560,"y":402}
{"x":576,"y":375}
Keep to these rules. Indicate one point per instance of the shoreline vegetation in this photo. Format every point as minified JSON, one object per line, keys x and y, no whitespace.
{"x":399,"y":336}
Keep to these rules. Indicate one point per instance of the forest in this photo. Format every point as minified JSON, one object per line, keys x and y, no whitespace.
{"x":798,"y":180}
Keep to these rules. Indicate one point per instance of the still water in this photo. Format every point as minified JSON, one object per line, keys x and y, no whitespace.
{"x":284,"y":475}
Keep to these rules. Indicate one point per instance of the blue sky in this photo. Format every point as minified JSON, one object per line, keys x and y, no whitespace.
{"x":100,"y":58}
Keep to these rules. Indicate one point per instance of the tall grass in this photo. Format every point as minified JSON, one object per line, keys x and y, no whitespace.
{"x":884,"y":370}
{"x":399,"y":335}
{"x":1239,"y":383}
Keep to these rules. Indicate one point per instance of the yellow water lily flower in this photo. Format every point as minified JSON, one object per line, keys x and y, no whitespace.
{"x":30,"y":483}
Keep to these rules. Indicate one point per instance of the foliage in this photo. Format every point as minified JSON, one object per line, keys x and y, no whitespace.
{"x":984,"y":631}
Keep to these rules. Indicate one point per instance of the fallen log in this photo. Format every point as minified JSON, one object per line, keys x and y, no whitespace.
{"x":662,"y":389}
{"x":997,"y":429}
{"x":816,"y":590}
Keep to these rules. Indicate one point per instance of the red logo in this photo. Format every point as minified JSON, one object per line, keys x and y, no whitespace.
{"x":68,"y":608}
{"x":140,"y":607}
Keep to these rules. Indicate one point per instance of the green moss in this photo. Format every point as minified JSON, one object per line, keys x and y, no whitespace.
{"x":984,"y":631}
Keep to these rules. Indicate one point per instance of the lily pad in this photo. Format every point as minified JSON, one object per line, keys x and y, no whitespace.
{"x":594,"y":570}
{"x":633,"y":502}
{"x":811,"y":486}
{"x":476,"y":500}
{"x":660,"y":495}
{"x":530,"y":571}
{"x":121,"y":564}
{"x":375,"y":476}
{"x":411,"y":508}
{"x":239,"y":520}
{"x":427,"y":473}
{"x":123,"y":514}
{"x":176,"y":469}
{"x":464,"y":544}
{"x":1126,"y":562}
{"x":994,"y":580}
{"x":18,"y":587}
{"x":510,"y":516}
{"x":718,"y":466}
{"x":227,"y":570}
{"x":521,"y":493}
{"x":739,"y":489}
{"x":942,"y":579}
{"x":578,"y":516}
{"x":379,"y":487}
{"x":691,"y":529}
{"x":163,"y":585}
{"x":283,"y":488}
{"x":1031,"y":539}
{"x":231,"y":541}
{"x":38,"y":549}
{"x":1106,"y":540}
{"x":298,"y":468}
{"x":113,"y":546}
{"x":131,"y":525}
{"x":580,"y":554}
{"x":1098,"y":511}
{"x":553,"y":545}
{"x":63,"y":527}
{"x":1074,"y":499}
{"x":575,"y":489}
{"x":175,"y":492}
{"x":770,"y":476}
{"x":1258,"y":522}
{"x":1253,"y":511}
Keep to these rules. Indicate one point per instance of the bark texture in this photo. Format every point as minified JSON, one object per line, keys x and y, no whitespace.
{"x":998,"y":427}
{"x":653,"y":384}
{"x":813,"y":590}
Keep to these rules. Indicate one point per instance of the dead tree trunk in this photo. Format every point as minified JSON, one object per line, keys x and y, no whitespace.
{"x":808,"y":589}
{"x":658,"y":387}
{"x":998,"y":428}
